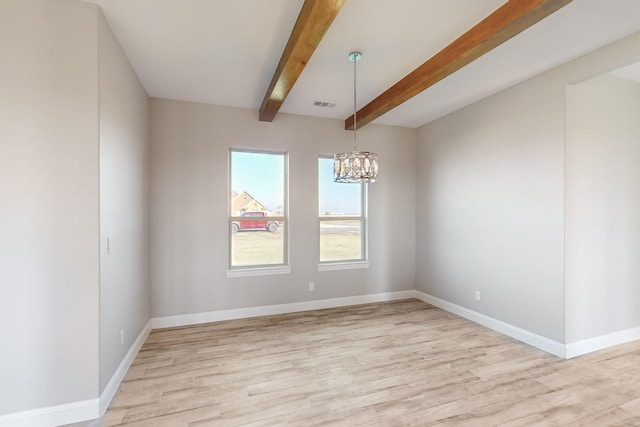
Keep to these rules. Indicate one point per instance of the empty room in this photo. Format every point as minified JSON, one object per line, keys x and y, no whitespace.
{"x":319,"y":213}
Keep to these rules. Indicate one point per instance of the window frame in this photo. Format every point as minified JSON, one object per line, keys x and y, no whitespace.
{"x":345,"y":264}
{"x":259,"y":269}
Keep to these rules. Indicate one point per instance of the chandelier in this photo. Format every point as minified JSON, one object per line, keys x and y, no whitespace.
{"x":355,"y":166}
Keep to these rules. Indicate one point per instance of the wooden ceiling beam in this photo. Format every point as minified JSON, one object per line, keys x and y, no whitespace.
{"x":313,"y":22}
{"x":509,"y":20}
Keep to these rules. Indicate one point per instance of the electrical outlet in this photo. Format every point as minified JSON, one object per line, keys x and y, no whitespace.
{"x":122,"y":337}
{"x":312,"y":286}
{"x":478,"y":296}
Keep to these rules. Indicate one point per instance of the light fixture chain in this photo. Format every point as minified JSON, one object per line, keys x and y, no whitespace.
{"x":355,"y":109}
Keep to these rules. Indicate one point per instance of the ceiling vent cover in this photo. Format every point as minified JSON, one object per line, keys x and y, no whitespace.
{"x":324,"y":104}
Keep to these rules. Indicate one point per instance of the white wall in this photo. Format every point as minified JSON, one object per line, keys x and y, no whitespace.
{"x":189,"y":208}
{"x":602,"y":207}
{"x":491,"y":198}
{"x":49,"y":266}
{"x":124,"y":271}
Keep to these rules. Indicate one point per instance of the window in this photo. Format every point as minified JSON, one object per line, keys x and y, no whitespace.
{"x":258,"y":209}
{"x":342,"y":217}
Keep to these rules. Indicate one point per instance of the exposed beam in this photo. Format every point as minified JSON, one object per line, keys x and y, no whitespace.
{"x":509,"y":20}
{"x":313,"y":21}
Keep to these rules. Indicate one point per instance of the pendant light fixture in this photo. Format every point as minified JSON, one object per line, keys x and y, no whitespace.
{"x":355,"y":166}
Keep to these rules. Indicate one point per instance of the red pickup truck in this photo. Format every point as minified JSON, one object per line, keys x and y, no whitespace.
{"x":257,"y":220}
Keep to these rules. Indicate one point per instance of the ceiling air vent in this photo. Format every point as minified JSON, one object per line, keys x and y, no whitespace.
{"x":324,"y":104}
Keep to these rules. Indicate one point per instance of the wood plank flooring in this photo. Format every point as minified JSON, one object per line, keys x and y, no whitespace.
{"x":403,"y":363}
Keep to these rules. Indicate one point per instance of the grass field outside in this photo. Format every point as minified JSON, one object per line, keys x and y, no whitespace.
{"x":339,"y":240}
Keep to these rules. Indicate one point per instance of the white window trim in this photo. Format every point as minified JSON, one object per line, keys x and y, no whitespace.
{"x":342,"y":265}
{"x":266,"y":269}
{"x":257,"y":271}
{"x":364,"y":232}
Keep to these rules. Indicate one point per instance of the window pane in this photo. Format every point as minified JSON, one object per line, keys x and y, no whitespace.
{"x":340,"y":240}
{"x":341,"y":217}
{"x":336,"y":199}
{"x":257,"y":203}
{"x":251,"y":245}
{"x":257,"y":183}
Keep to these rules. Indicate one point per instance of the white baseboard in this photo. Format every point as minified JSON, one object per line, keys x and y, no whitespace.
{"x":243,"y":313}
{"x":567,"y":351}
{"x":53,"y":415}
{"x":94,"y":408}
{"x":112,"y":386}
{"x":78,"y":411}
{"x":538,"y":341}
{"x":579,"y":348}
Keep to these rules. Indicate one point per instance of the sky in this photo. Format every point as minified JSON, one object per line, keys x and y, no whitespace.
{"x":261,"y":175}
{"x":336,"y":198}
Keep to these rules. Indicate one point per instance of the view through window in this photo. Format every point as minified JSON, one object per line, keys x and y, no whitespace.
{"x":258,"y":221}
{"x":342,"y":217}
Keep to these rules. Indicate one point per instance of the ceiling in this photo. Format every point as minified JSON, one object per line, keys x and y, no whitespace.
{"x":630,"y":72}
{"x":224,"y":52}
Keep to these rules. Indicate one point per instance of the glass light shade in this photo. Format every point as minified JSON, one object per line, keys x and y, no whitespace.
{"x":355,"y":167}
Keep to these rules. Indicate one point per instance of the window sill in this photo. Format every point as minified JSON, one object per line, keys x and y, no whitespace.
{"x":258,"y":271}
{"x":330,"y":266}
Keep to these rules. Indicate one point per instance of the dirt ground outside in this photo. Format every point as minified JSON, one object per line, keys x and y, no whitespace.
{"x":257,"y":247}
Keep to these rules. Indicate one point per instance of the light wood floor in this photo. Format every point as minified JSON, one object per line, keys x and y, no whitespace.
{"x":390,"y":364}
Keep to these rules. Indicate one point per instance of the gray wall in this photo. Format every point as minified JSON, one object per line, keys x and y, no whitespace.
{"x":73,"y":156}
{"x":124,"y":272}
{"x":602,"y":207}
{"x":189,"y":208}
{"x":491,"y":198}
{"x":491,"y":208}
{"x":49,"y":230}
